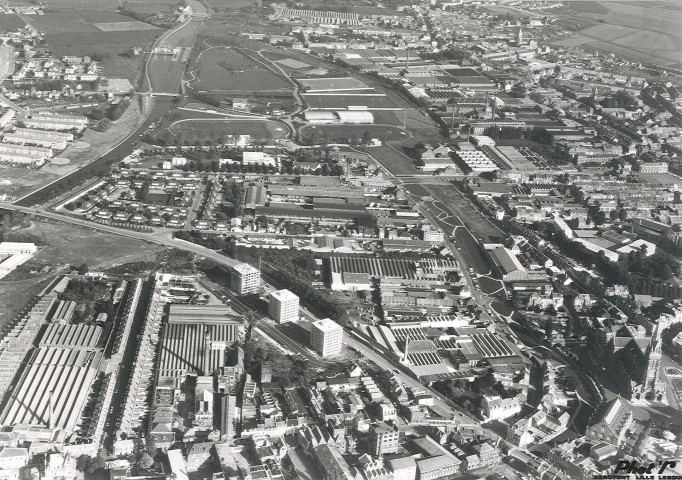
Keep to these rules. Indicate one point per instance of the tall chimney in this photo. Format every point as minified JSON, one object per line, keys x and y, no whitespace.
{"x":407,"y":60}
{"x":50,"y":413}
{"x":207,"y":352}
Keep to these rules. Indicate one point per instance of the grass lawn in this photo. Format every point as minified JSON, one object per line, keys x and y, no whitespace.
{"x":490,"y":286}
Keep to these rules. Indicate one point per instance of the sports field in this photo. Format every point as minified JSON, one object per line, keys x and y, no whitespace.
{"x":215,"y":129}
{"x":227,"y":69}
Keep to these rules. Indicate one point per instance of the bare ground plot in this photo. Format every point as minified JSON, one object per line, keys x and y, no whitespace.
{"x":71,"y":31}
{"x":67,"y":246}
{"x":123,"y":26}
{"x":16,"y":181}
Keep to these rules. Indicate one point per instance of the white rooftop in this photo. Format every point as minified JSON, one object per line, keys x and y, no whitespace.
{"x":327,"y":325}
{"x":284,"y":295}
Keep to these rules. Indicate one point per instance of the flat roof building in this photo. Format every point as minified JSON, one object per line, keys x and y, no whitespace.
{"x":245,"y":279}
{"x":283,"y":306}
{"x":326,"y":337}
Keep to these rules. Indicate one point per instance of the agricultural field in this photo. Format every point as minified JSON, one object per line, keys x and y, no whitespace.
{"x":226,"y":69}
{"x":72,"y":31}
{"x":215,"y":129}
{"x":142,"y":6}
{"x":645,"y":31}
{"x":342,"y":133}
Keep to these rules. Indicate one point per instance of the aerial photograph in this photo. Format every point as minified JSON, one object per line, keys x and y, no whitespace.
{"x":340,"y":239}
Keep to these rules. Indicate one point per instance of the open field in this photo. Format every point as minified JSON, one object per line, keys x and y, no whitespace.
{"x":217,"y":128}
{"x":645,"y":31}
{"x":227,"y":69}
{"x":10,"y":22}
{"x":343,"y":132}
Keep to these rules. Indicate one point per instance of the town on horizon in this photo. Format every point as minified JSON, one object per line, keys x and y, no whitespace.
{"x":340,"y":239}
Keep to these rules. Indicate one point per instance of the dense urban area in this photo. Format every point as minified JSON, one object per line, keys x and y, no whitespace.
{"x":340,"y":240}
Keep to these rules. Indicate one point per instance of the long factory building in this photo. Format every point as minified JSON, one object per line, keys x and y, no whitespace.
{"x":54,"y":388}
{"x":196,"y":339}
